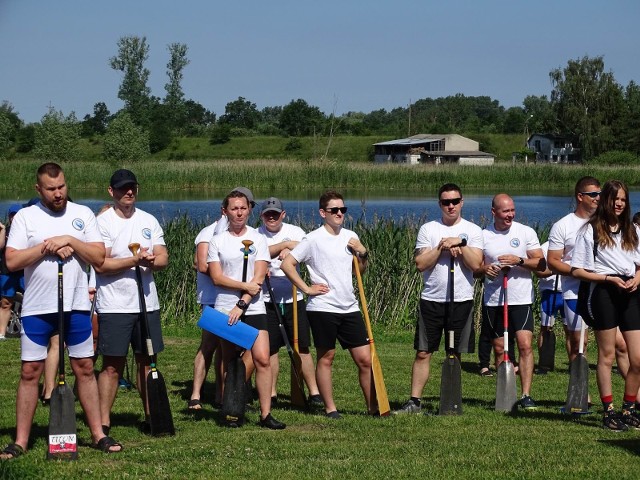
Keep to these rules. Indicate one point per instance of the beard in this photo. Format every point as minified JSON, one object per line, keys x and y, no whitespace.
{"x":56,"y":206}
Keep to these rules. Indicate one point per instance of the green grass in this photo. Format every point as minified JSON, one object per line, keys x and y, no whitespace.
{"x":478,"y":444}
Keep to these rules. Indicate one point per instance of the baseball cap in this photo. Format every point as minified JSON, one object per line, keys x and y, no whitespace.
{"x":13,"y":209}
{"x":247,"y":193}
{"x":272,"y":204}
{"x":122,"y":177}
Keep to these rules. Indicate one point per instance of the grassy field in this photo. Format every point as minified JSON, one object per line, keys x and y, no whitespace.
{"x":479,"y":444}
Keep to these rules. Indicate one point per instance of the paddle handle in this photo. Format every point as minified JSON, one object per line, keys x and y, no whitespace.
{"x":61,"y":333}
{"x":505,"y":315}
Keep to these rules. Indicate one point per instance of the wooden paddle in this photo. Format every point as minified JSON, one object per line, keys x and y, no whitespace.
{"x":160,"y":418}
{"x":506,"y":388}
{"x":297,"y":387}
{"x":62,"y":440}
{"x":378,"y":378}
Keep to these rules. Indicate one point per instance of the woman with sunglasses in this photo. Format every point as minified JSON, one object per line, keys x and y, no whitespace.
{"x":332,"y":308}
{"x":243,"y":298}
{"x":607,"y":254}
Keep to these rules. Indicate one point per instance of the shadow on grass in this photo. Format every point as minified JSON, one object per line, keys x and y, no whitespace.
{"x":630,"y":444}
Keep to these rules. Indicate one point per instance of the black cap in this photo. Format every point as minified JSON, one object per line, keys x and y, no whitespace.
{"x":122,"y":177}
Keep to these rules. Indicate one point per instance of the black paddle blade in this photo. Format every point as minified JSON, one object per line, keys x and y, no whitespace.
{"x":160,"y":419}
{"x":506,"y":388}
{"x":451,"y":387}
{"x":234,"y":399}
{"x":62,"y":440}
{"x":547,"y":351}
{"x":578,"y":392}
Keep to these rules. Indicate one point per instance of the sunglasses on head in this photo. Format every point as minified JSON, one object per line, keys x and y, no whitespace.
{"x":591,"y":194}
{"x":335,"y":210}
{"x":450,"y":201}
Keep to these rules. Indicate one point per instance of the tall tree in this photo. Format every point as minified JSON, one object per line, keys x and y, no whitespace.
{"x":57,"y":136}
{"x":133,"y":52}
{"x":124,"y":141}
{"x":174,"y":99}
{"x":96,"y":123}
{"x":587,"y":102}
{"x":539,"y":115}
{"x":299,"y":118}
{"x":241,"y":113}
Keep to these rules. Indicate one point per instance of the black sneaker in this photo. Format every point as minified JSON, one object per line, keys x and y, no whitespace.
{"x":272,"y":423}
{"x":335,"y":415}
{"x":630,"y":418}
{"x":612,"y":421}
{"x":527,"y":403}
{"x":408,"y":407}
{"x":316,"y":400}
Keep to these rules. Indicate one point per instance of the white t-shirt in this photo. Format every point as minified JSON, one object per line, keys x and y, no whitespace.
{"x":282,"y":287}
{"x":329,"y":261}
{"x":549,"y":283}
{"x":517,"y":240}
{"x":205,"y":289}
{"x":436,"y":279}
{"x":608,"y":261}
{"x":229,"y":252}
{"x":118,"y":293}
{"x":563,"y":237}
{"x":30,"y":227}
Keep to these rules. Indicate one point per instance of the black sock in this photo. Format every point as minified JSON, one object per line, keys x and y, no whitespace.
{"x":416,"y":401}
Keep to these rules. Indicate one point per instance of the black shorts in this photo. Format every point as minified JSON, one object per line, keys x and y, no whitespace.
{"x":117,"y":330}
{"x":275,"y":336}
{"x":258,"y":321}
{"x":436,"y":317}
{"x":520,"y":318}
{"x":613,"y":308}
{"x":347,"y":328}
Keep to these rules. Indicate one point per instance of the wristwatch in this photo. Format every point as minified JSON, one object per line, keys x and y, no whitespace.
{"x":364,"y":255}
{"x":242,"y":305}
{"x":521,"y":261}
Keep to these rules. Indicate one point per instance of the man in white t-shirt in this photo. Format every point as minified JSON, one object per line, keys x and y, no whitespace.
{"x":562,"y":239}
{"x":451,"y":240}
{"x":332,"y":307}
{"x":281,"y":239}
{"x":511,"y":249}
{"x":121,"y":320}
{"x":51,"y":231}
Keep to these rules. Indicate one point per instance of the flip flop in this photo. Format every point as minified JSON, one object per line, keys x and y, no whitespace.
{"x":13,"y":450}
{"x":106,"y":443}
{"x":194,"y":404}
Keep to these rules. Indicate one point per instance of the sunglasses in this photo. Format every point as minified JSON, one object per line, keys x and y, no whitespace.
{"x":591,"y":194}
{"x":335,"y":210}
{"x":450,"y":201}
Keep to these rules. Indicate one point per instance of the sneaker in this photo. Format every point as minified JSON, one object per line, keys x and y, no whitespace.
{"x":485,"y":372}
{"x":409,"y":407}
{"x":541,"y":371}
{"x":527,"y":403}
{"x":630,"y":418}
{"x":335,"y":415}
{"x":611,"y":421}
{"x":272,"y":423}
{"x":316,"y":400}
{"x":2,"y":337}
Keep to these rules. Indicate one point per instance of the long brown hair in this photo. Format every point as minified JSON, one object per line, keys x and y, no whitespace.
{"x":605,"y":216}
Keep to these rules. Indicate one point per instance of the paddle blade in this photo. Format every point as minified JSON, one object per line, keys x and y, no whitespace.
{"x":234,"y":396}
{"x":578,"y":392}
{"x":378,"y":381}
{"x":506,"y":388}
{"x":62,"y":440}
{"x":548,"y":351}
{"x":451,"y":387}
{"x":160,"y":418}
{"x":297,"y":387}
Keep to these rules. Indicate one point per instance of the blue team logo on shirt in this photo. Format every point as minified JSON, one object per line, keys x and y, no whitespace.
{"x":146,"y":233}
{"x":515,"y":242}
{"x":78,"y":224}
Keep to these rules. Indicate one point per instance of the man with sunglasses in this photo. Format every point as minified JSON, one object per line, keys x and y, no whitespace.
{"x":511,"y":249}
{"x":281,"y":239}
{"x":451,"y":240}
{"x":332,"y":307}
{"x":562,"y":239}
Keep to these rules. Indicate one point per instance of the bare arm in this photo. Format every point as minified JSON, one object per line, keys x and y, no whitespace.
{"x":288,"y":266}
{"x":202,"y":250}
{"x":555,"y":263}
{"x":282,"y":249}
{"x":534,"y":260}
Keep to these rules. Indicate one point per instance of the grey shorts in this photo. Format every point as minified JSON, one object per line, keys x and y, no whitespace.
{"x":119,"y":330}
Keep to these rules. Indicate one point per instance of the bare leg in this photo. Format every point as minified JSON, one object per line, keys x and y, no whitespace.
{"x":420,"y":372}
{"x":5,"y":314}
{"x":632,"y":382}
{"x":112,"y":368}
{"x":51,"y":367}
{"x":606,"y":353}
{"x":362,"y":357}
{"x":202,"y":362}
{"x":622,"y":360}
{"x":309,"y":373}
{"x":143,"y":363}
{"x":324,"y":366}
{"x":524,"y":339}
{"x":260,"y":355}
{"x":275,"y":371}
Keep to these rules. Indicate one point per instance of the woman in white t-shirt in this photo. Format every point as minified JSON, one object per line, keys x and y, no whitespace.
{"x":242,"y":298}
{"x":612,"y":267}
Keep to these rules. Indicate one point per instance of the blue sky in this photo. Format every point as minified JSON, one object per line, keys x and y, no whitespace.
{"x":342,"y":55}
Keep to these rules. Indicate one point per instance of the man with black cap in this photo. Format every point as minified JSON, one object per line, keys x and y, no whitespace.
{"x":281,"y":239}
{"x":118,"y":302}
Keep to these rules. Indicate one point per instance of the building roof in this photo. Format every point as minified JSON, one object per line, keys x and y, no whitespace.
{"x":459,"y":153}
{"x":414,"y":140}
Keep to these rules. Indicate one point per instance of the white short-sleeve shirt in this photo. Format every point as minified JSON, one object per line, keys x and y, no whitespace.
{"x":205,"y":289}
{"x":549,"y":283}
{"x":563,"y":237}
{"x":608,"y":260}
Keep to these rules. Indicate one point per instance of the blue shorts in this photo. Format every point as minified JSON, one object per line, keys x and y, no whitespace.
{"x":38,"y":329}
{"x":10,"y":284}
{"x":551,"y":306}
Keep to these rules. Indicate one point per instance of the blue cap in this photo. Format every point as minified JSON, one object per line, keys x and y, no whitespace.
{"x":14,"y":208}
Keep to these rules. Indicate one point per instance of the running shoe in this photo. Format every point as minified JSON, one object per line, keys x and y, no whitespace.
{"x":527,"y":403}
{"x":630,"y":418}
{"x":409,"y":407}
{"x":611,"y":421}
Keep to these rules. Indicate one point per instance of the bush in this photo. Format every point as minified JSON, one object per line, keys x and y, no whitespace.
{"x":294,"y":144}
{"x":220,"y":134}
{"x":56,"y":137}
{"x":124,"y":141}
{"x":615,"y":157}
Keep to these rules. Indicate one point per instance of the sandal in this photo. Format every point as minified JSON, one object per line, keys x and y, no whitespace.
{"x":13,"y":450}
{"x":194,"y":404}
{"x":105,"y":444}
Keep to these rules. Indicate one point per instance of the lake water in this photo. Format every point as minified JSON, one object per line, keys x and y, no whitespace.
{"x":530,"y":209}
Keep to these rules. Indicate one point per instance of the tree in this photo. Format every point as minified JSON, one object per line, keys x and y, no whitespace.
{"x":220,"y":134}
{"x":26,"y":139}
{"x":6,"y":135}
{"x":174,"y":98}
{"x":540,"y":114}
{"x":56,"y":137}
{"x":630,"y":121}
{"x":133,"y":52}
{"x":241,"y":113}
{"x":124,"y":141}
{"x":96,"y":124}
{"x":587,"y":102}
{"x":298,"y":118}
